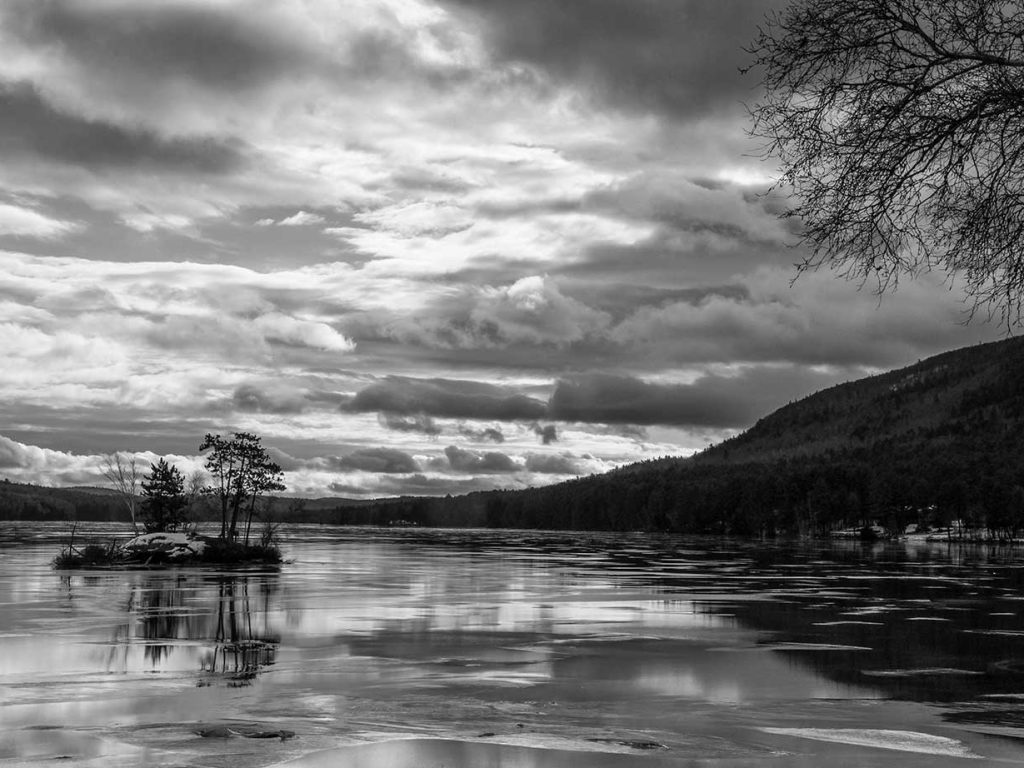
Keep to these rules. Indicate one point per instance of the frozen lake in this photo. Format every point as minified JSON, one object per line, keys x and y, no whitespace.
{"x":470,"y":649}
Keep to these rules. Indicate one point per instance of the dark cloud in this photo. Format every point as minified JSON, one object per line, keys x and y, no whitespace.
{"x":204,"y":45}
{"x":711,"y":401}
{"x":551,"y":464}
{"x":281,"y":399}
{"x":677,"y":57}
{"x":470,"y":462}
{"x":446,"y":398}
{"x":491,"y":434}
{"x":419,"y":422}
{"x":386,"y":460}
{"x":547,"y":433}
{"x":31,"y":126}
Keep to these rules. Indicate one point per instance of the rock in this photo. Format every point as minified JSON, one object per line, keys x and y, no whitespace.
{"x":170,"y":546}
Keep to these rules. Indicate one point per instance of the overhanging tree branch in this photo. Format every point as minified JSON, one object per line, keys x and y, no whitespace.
{"x":897,"y":126}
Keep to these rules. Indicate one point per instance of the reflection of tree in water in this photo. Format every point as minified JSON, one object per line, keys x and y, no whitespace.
{"x":228,"y":616}
{"x":241,"y":648}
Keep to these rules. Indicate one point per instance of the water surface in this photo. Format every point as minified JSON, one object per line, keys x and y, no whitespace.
{"x":395,"y":648}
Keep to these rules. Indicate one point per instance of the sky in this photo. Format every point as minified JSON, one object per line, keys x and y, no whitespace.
{"x":418,"y":246}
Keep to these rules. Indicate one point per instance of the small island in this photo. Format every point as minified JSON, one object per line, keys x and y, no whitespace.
{"x":242,"y":474}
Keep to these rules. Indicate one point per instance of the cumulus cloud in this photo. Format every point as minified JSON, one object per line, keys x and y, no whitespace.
{"x":533,"y":310}
{"x":306,"y":333}
{"x":445,"y":398}
{"x":386,"y":460}
{"x":463,"y":460}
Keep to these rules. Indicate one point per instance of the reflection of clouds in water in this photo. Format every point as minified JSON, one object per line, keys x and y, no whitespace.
{"x":499,"y":613}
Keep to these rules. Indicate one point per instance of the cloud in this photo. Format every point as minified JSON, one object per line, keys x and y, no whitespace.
{"x":670,"y":57}
{"x":552,"y":464}
{"x":250,"y":398}
{"x":492,"y":434}
{"x":281,"y":398}
{"x":299,"y":219}
{"x":529,"y":312}
{"x":31,"y":126}
{"x":305,"y":333}
{"x":462,"y":460}
{"x":445,"y":398}
{"x":533,"y":310}
{"x":547,"y":433}
{"x":203,"y":44}
{"x":419,"y":422}
{"x":386,"y":460}
{"x":715,"y":401}
{"x":25,"y":222}
{"x":775,"y":320}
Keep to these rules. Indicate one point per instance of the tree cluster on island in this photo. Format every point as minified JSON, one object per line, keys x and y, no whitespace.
{"x":242,"y":474}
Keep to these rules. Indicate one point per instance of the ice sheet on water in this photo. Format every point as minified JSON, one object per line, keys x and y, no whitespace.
{"x":902,"y":741}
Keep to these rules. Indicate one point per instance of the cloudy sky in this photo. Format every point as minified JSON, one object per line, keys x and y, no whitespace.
{"x":420,"y":246}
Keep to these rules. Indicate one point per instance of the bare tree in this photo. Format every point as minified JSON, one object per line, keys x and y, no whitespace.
{"x":899,"y":129}
{"x":124,"y":474}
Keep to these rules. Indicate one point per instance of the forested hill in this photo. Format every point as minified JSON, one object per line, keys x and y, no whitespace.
{"x":938,"y":441}
{"x":971,"y":394}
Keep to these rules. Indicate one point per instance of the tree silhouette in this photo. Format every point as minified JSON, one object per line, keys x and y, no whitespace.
{"x":242,"y":471}
{"x":164,"y":500}
{"x":898,"y":128}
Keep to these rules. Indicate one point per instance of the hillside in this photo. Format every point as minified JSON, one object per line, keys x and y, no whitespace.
{"x":936,"y":441}
{"x":969,"y":394}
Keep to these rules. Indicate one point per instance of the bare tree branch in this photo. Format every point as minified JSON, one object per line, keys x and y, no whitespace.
{"x":124,"y":474}
{"x":897,"y":125}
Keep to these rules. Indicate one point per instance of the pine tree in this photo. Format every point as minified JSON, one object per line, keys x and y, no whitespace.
{"x":164,"y":499}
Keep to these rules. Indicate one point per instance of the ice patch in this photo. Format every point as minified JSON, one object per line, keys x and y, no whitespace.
{"x":845,"y":623}
{"x":901,"y":741}
{"x":925,"y":672}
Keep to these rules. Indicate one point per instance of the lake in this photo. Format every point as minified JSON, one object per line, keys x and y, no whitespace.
{"x":409,"y":648}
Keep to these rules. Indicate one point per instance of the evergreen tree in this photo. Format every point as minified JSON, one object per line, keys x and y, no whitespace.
{"x":164,"y":499}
